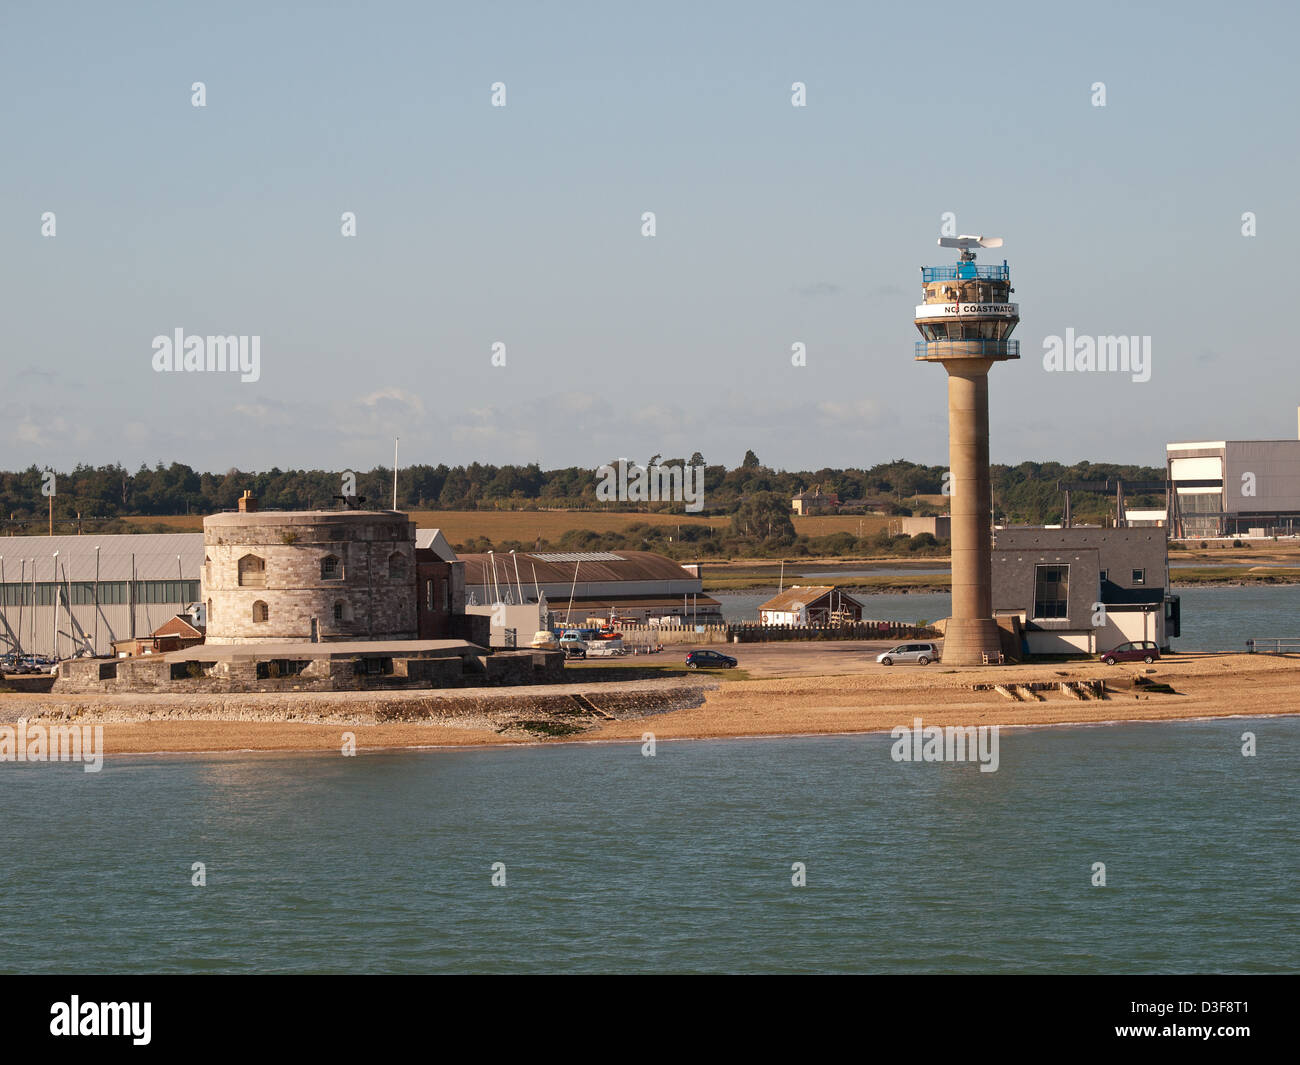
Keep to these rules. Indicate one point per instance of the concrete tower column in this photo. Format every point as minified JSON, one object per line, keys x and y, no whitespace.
{"x":971,"y":632}
{"x":966,"y":322}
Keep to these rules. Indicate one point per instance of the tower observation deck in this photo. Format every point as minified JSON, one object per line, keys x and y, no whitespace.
{"x":966,"y":319}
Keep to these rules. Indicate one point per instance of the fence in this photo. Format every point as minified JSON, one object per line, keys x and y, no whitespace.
{"x":635,"y":636}
{"x":862,"y":630}
{"x":1273,"y":645}
{"x":655,"y":635}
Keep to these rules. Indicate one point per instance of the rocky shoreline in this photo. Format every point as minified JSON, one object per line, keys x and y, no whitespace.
{"x":557,"y":710}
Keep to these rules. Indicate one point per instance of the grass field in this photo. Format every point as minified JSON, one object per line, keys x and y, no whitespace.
{"x":461,"y":525}
{"x":527,"y":525}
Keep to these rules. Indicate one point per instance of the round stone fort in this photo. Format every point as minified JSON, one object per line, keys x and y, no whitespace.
{"x":313,"y":576}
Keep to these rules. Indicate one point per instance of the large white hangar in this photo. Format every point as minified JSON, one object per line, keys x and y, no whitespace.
{"x":61,"y":595}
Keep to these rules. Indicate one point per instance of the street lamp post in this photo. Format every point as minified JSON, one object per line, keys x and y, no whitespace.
{"x":54,"y":615}
{"x":95,"y":649}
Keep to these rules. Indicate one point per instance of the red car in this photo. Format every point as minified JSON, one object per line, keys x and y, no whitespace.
{"x":1137,"y":651}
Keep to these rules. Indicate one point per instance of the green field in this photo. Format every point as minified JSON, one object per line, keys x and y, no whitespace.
{"x":529,"y":525}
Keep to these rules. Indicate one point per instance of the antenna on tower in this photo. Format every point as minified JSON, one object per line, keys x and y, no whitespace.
{"x":968,"y":244}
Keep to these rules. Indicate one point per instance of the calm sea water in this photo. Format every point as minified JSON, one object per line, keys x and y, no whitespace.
{"x":676,"y":863}
{"x":1213,"y":619}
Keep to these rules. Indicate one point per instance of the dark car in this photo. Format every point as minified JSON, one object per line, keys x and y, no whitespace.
{"x":1137,"y":651}
{"x":709,"y":660}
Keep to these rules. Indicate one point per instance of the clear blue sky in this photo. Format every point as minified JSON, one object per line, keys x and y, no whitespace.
{"x":522,"y":225}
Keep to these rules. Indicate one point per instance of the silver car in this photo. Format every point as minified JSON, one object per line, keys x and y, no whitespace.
{"x":920,"y":653}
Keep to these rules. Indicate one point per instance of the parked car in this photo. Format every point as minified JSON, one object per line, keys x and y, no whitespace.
{"x":1136,"y":651}
{"x":573,"y":645}
{"x":920,"y":653}
{"x":709,"y":660}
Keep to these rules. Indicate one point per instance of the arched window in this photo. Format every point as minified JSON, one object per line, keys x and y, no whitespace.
{"x":331,"y":568}
{"x":209,"y":617}
{"x":396,"y":566}
{"x":260,"y":611}
{"x":252,"y":572}
{"x":428,"y":594}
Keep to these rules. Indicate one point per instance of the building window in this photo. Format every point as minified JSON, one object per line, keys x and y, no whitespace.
{"x":338,"y":611}
{"x":1051,"y":591}
{"x":210,"y":614}
{"x":428,"y":595}
{"x":331,"y":568}
{"x":281,"y":667}
{"x":260,"y":611}
{"x":1139,"y":576}
{"x":252,"y":572}
{"x":396,"y":566}
{"x":1104,"y":576}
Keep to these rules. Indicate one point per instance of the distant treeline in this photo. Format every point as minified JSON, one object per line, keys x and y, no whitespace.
{"x":755,"y":497}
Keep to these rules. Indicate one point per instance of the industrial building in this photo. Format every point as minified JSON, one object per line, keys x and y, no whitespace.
{"x":64,"y":595}
{"x":625,"y":587}
{"x":1084,"y":590}
{"x":937,"y":525}
{"x":1242,"y":488}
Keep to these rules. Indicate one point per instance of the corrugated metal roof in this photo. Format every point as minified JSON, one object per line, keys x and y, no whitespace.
{"x":634,"y":602}
{"x":155,"y":556}
{"x":625,"y":566}
{"x":578,"y":556}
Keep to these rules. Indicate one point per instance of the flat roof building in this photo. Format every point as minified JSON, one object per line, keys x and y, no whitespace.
{"x":1253,"y":489}
{"x":1084,"y":590}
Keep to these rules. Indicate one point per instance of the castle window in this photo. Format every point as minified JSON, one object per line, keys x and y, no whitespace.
{"x":396,"y":566}
{"x":331,"y":568}
{"x":260,"y":611}
{"x":428,"y":595}
{"x":338,"y":611}
{"x":252,"y":572}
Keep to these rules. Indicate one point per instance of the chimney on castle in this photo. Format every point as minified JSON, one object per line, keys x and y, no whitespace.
{"x":247,"y":502}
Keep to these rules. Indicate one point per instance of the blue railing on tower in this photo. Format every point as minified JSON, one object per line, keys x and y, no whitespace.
{"x":965,"y":272}
{"x":970,"y":348}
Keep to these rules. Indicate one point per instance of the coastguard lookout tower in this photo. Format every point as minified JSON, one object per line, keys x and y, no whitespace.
{"x":966,"y":319}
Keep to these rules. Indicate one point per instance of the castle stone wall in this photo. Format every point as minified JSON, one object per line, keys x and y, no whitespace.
{"x":370,"y":597}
